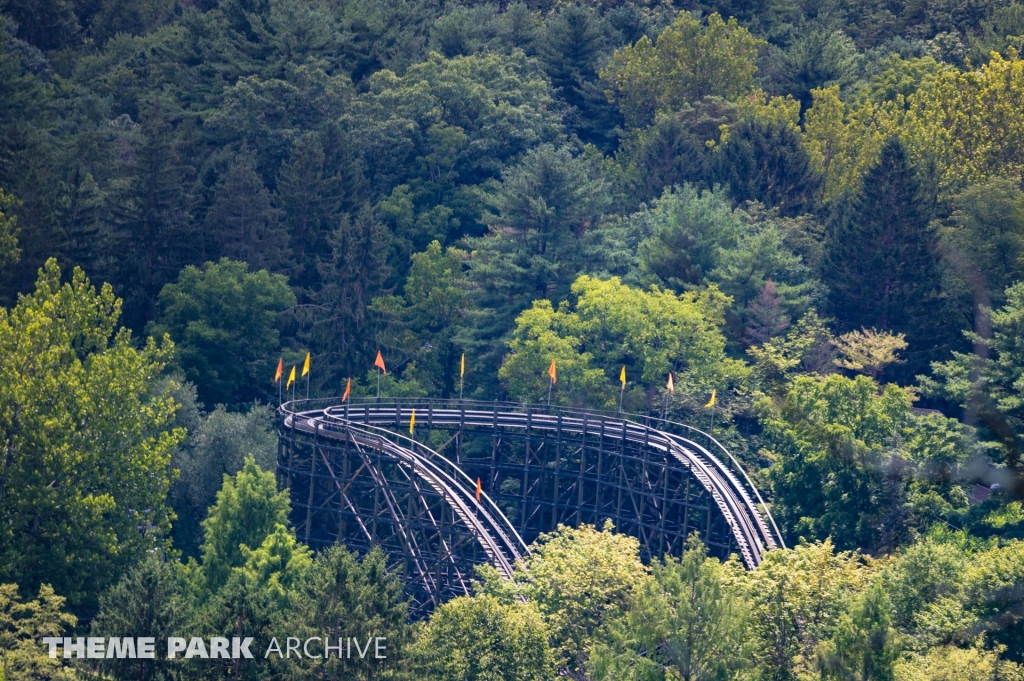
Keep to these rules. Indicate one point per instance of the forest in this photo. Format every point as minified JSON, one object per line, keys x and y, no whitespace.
{"x":811,"y":209}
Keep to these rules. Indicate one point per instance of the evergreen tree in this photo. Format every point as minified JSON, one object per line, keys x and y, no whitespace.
{"x":145,"y":602}
{"x":46,"y":24}
{"x":880,"y":259}
{"x":765,"y":161}
{"x":574,"y":48}
{"x":666,"y":154}
{"x":150,"y":236}
{"x":819,"y":57}
{"x":766,"y":318}
{"x":344,"y":595}
{"x":310,"y":203}
{"x":248,"y":509}
{"x":686,"y":231}
{"x":339,"y":322}
{"x":242,"y":222}
{"x":533,"y":251}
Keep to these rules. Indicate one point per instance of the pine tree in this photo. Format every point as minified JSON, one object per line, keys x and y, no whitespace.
{"x":766,"y":318}
{"x":880,"y":261}
{"x":573,"y":50}
{"x":150,"y":237}
{"x":533,"y":250}
{"x":766,"y":161}
{"x":356,"y":273}
{"x":310,"y":203}
{"x":242,"y":222}
{"x":143,"y":603}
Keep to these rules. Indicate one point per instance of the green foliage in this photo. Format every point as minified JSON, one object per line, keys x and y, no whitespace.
{"x":689,"y":61}
{"x":244,"y":520}
{"x":538,"y":215}
{"x":241,"y":219}
{"x":863,"y":645}
{"x":310,"y":199}
{"x":453,"y":121}
{"x":478,"y":199}
{"x":853,"y":464}
{"x":983,"y":238}
{"x":881,"y":257}
{"x":483,"y":639}
{"x":218,"y":444}
{"x":687,"y":229}
{"x":23,"y":625}
{"x":9,"y":253}
{"x":341,"y":326}
{"x":946,"y":663}
{"x":687,"y":620}
{"x":991,"y":384}
{"x":650,"y":332}
{"x":796,"y":598}
{"x":150,"y":237}
{"x":342,"y":595}
{"x":695,"y":238}
{"x":224,"y":320}
{"x":429,"y":315}
{"x":820,"y":56}
{"x":765,"y":161}
{"x":147,"y":601}
{"x":580,"y":579}
{"x":87,"y":442}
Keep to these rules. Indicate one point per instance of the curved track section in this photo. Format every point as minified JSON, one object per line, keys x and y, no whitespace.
{"x":475,"y":482}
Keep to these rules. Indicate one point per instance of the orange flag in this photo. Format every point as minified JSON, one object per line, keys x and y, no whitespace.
{"x":552,"y":373}
{"x":280,"y":370}
{"x":348,"y":390}
{"x":479,"y":490}
{"x":671,"y":386}
{"x":379,"y":362}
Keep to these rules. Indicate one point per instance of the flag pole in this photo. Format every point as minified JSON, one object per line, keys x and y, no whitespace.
{"x":378,"y":385}
{"x":307,"y":386}
{"x":622,"y":391}
{"x":280,"y":396}
{"x":551,"y":373}
{"x":670,"y":388}
{"x":462,"y":375}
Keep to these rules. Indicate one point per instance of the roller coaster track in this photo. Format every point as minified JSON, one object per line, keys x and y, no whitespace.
{"x":370,"y":482}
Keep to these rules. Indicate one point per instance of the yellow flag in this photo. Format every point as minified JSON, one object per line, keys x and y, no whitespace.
{"x":553,"y":373}
{"x":305,"y":365}
{"x":280,"y":369}
{"x":711,"y":402}
{"x":348,"y":390}
{"x":671,"y":386}
{"x":622,"y":376}
{"x":462,"y":366}
{"x":291,"y":379}
{"x":412,"y":423}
